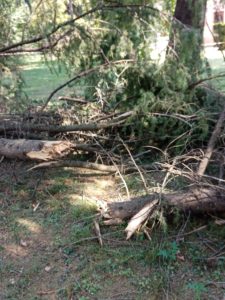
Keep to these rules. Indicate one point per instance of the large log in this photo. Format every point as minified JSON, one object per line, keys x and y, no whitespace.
{"x":198,"y":201}
{"x":34,"y":149}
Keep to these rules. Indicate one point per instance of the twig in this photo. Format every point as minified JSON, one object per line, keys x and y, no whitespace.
{"x":194,"y":84}
{"x":49,"y":46}
{"x":93,"y":238}
{"x":75,"y":164}
{"x":76,"y":100}
{"x":49,"y":292}
{"x":192,"y":231}
{"x":135,"y":164}
{"x":117,"y":169}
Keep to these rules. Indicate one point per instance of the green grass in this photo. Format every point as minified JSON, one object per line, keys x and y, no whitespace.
{"x":52,"y":250}
{"x":217,"y":65}
{"x":40,"y":78}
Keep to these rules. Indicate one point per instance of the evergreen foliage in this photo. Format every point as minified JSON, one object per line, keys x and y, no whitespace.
{"x":219,"y":29}
{"x":156,"y":90}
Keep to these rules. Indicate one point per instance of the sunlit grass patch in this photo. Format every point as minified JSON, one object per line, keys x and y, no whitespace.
{"x":35,"y":73}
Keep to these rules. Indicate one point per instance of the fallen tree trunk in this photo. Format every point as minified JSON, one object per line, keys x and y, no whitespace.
{"x":29,"y":127}
{"x":34,"y":149}
{"x":198,"y":200}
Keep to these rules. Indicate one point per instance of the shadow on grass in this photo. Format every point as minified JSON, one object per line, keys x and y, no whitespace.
{"x":49,"y":250}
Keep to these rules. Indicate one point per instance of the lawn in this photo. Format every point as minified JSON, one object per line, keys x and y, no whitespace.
{"x":216,"y":60}
{"x":40,"y":79}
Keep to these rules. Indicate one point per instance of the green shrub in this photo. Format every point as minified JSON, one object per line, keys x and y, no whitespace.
{"x":219,"y":30}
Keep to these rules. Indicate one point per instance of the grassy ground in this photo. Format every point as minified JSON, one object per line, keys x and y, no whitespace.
{"x":41,"y":79}
{"x":216,"y":59}
{"x":48,"y":249}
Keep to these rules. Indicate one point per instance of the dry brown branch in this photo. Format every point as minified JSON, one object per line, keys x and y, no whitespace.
{"x":75,"y":164}
{"x":119,"y":170}
{"x":212,"y":141}
{"x":136,"y":166}
{"x":75,"y":100}
{"x":112,"y":169}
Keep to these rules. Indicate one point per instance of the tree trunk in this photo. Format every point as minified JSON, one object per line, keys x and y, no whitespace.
{"x":191,"y":13}
{"x":198,"y":201}
{"x":187,"y":33}
{"x":34,"y":149}
{"x":18,"y":127}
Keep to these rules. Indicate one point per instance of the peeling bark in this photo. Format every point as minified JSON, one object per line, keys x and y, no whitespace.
{"x":34,"y":149}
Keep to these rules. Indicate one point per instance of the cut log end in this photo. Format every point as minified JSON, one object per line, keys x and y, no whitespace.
{"x":34,"y":149}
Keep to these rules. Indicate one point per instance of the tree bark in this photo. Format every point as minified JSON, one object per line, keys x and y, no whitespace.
{"x":34,"y":149}
{"x":18,"y":127}
{"x":191,"y":13}
{"x":186,"y":35}
{"x":198,"y":201}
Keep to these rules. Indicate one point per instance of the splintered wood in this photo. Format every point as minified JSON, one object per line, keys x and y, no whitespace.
{"x":34,"y":149}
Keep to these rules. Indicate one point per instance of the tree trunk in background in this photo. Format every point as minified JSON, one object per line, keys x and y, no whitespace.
{"x":191,"y":13}
{"x":187,"y":33}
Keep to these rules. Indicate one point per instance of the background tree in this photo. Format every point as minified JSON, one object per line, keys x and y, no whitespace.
{"x":186,"y":36}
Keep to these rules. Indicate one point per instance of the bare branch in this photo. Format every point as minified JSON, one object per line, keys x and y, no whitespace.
{"x":83,"y":74}
{"x":194,"y":84}
{"x":212,"y":141}
{"x":49,"y":46}
{"x":54,"y":30}
{"x":75,"y":100}
{"x":72,"y":21}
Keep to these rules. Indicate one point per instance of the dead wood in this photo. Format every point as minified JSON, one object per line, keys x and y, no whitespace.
{"x":212,"y":141}
{"x":198,"y":201}
{"x":98,"y":232}
{"x":34,"y":149}
{"x":140,"y":217}
{"x":126,"y":169}
{"x":76,"y":164}
{"x":74,"y":100}
{"x":17,"y":127}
